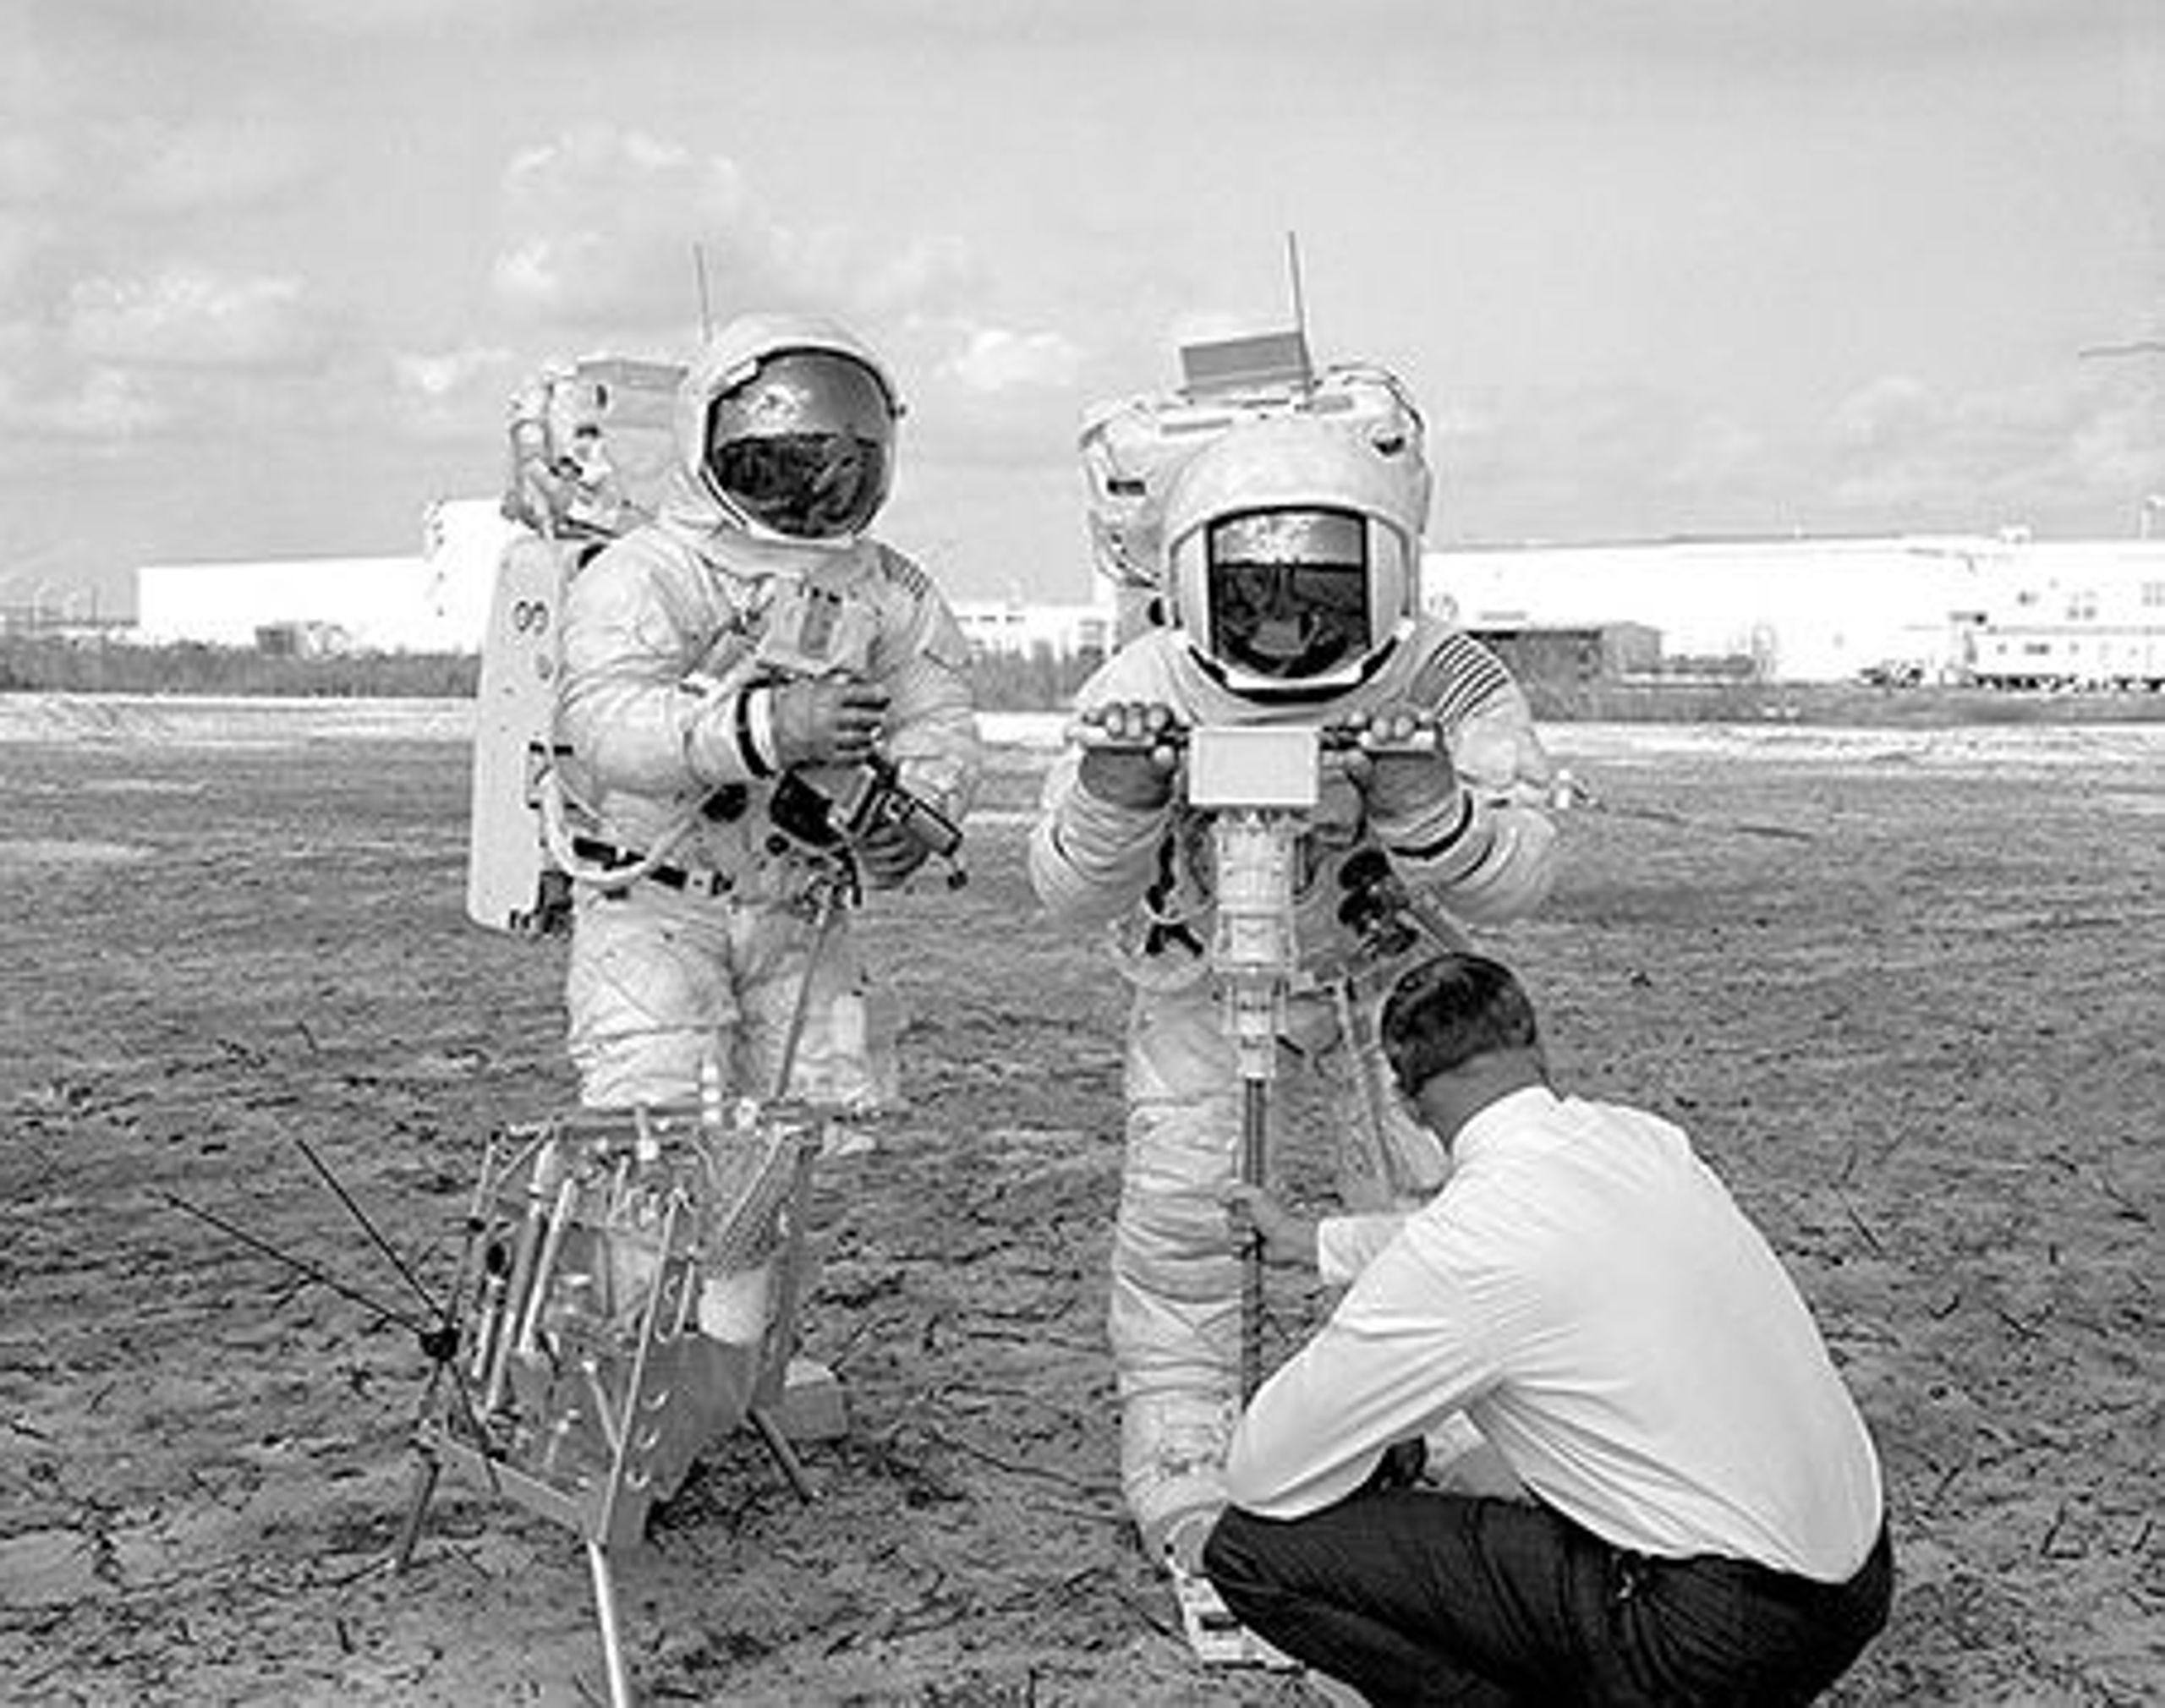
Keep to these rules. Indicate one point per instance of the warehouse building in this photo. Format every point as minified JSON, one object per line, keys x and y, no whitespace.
{"x":1941,"y":608}
{"x":434,"y":601}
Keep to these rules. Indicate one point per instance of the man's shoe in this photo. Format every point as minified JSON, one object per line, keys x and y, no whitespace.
{"x":1218,"y":1639}
{"x":1332,"y":1693}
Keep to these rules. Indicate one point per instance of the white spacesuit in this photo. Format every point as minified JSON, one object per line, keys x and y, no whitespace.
{"x":750,"y":651}
{"x":1292,"y":549}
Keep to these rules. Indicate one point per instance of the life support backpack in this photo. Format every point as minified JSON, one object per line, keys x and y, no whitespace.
{"x":592,"y":446}
{"x":1133,"y":450}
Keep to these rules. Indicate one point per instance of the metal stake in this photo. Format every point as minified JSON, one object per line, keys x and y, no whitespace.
{"x":1254,"y":1122}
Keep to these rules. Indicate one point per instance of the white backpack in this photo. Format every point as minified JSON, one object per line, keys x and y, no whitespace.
{"x":1133,"y":450}
{"x":592,"y":446}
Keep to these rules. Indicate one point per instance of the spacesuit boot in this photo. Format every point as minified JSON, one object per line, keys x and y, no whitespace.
{"x":1173,"y":1449}
{"x":1172,"y":1468}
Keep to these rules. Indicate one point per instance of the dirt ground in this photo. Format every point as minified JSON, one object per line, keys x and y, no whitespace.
{"x":1902,"y":986}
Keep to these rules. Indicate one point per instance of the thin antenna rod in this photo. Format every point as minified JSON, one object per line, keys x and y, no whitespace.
{"x":1300,"y":310}
{"x":322,"y":1278}
{"x":706,"y":312}
{"x":398,"y":1264}
{"x":1293,"y":274}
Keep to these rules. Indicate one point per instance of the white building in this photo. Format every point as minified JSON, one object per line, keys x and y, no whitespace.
{"x":1948,"y":607}
{"x":1011,"y":627}
{"x":436,"y":600}
{"x":2083,"y":614}
{"x":1802,"y":609}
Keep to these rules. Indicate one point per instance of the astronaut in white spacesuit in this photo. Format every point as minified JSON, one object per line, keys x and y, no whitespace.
{"x":730,"y":670}
{"x":1292,"y":549}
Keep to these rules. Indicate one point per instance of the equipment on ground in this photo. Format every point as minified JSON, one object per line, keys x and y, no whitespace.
{"x":630,"y":1282}
{"x":628,"y":1294}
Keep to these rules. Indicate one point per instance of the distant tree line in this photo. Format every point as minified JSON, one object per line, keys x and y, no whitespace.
{"x":1043,"y":681}
{"x":46,"y":664}
{"x":36,"y":663}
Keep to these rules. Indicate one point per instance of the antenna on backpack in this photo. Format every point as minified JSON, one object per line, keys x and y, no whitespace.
{"x":1300,"y":311}
{"x":1293,"y":277}
{"x":706,"y":314}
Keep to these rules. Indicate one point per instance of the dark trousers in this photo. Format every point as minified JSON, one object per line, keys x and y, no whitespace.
{"x":1416,"y":1596}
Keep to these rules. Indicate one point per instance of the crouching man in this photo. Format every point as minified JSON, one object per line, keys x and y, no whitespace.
{"x":1702,"y":1519}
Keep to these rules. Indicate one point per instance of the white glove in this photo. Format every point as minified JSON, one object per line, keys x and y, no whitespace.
{"x":826,"y":720}
{"x":1403,"y":766}
{"x":1131,"y":759}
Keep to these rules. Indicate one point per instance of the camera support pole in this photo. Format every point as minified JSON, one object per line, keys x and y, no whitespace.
{"x":1254,"y":1124}
{"x":1261,"y":784}
{"x":763,"y":1409}
{"x":1252,"y":952}
{"x":825,"y":900}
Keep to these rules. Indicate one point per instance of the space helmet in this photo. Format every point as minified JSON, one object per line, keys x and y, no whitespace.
{"x":795,"y":423}
{"x":1294,"y":549}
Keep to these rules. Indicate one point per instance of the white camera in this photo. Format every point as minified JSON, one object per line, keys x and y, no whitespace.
{"x":1274,"y":767}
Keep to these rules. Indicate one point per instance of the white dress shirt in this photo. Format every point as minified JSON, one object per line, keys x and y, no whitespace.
{"x":1584,"y":1289}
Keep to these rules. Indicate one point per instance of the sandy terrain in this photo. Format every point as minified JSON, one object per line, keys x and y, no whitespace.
{"x":1902,"y":985}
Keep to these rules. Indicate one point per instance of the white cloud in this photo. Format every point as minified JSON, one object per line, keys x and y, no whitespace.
{"x":445,"y":373}
{"x":445,"y":394}
{"x":930,"y":276}
{"x":21,"y":241}
{"x":2042,"y":453}
{"x":143,"y":165}
{"x":619,"y":229}
{"x":33,"y":167}
{"x":1886,"y":414}
{"x":606,"y":225}
{"x":190,"y":316}
{"x":994,"y":360}
{"x":1718,"y":454}
{"x":1896,"y":455}
{"x":106,"y":403}
{"x":221,"y":164}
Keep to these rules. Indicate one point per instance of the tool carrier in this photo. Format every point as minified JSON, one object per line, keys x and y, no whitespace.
{"x":629,"y":1296}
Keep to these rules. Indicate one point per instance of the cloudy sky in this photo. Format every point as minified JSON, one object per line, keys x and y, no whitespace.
{"x":270,"y":269}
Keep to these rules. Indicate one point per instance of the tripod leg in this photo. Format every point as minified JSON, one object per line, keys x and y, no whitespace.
{"x":425,"y":1473}
{"x":612,"y":1642}
{"x":785,"y":1455}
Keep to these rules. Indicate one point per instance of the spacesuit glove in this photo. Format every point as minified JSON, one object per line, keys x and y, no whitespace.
{"x":1403,"y":768}
{"x":825,"y":720}
{"x":1128,"y":758}
{"x":888,"y":854}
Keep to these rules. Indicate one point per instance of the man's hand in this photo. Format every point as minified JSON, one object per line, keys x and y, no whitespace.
{"x":1132,"y":760}
{"x":1403,"y":1466}
{"x":1255,"y":1216}
{"x":826,"y":720}
{"x":888,"y":854}
{"x":1402,"y":765}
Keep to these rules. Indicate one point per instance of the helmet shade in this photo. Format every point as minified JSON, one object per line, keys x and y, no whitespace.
{"x":1287,"y":592}
{"x":1293,"y":550}
{"x":803,"y":445}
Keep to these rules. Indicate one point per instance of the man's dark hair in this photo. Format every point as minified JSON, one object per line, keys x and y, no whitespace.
{"x":1442,"y":1013}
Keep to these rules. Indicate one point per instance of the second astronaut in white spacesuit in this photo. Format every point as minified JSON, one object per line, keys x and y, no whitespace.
{"x":1293,"y":552}
{"x":752,"y":639}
